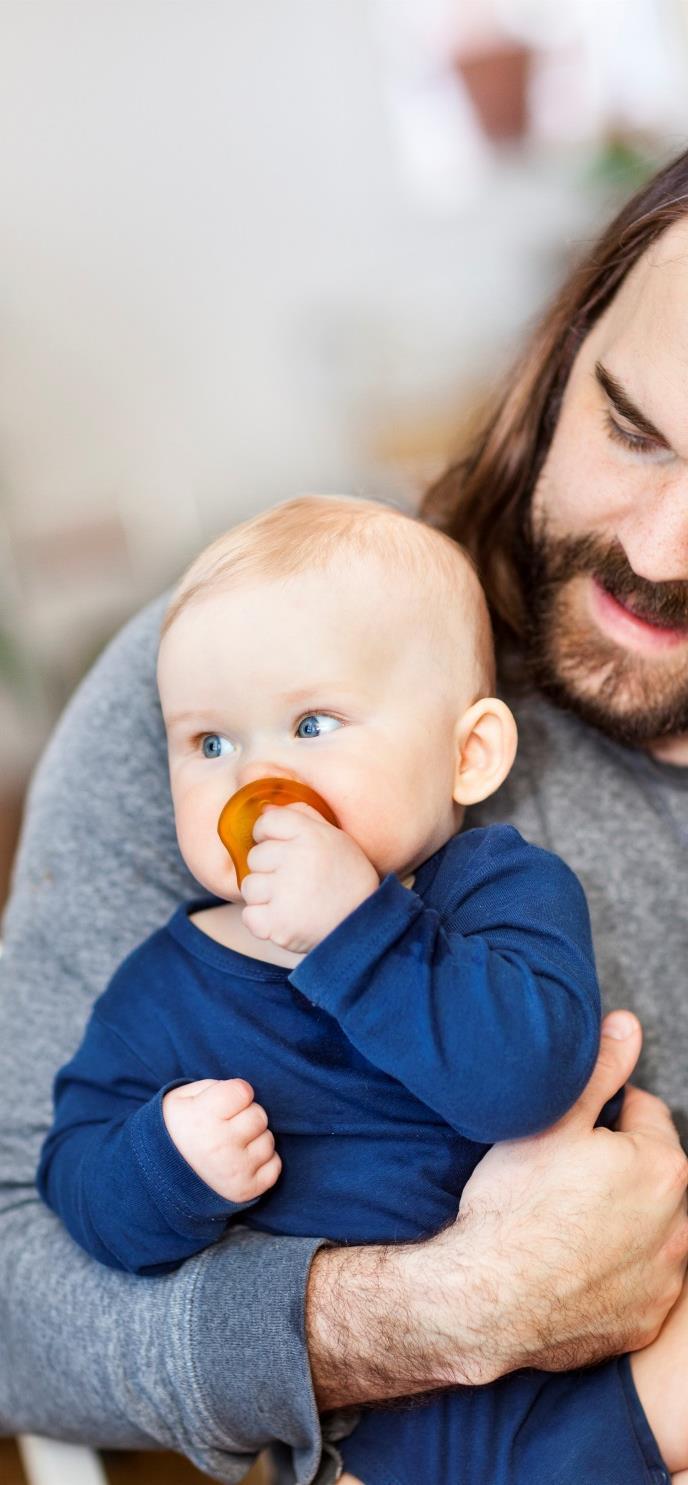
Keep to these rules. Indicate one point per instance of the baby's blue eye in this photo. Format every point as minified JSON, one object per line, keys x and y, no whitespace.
{"x":316,"y":723}
{"x":215,"y":746}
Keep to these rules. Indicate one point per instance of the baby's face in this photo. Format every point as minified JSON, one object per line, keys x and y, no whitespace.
{"x":323,"y":678}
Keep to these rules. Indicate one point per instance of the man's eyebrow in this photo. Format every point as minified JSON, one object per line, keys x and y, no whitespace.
{"x":620,"y":399}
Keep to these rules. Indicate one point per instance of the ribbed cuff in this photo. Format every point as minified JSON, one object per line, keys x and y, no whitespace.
{"x":190,"y":1207}
{"x":336,"y":970}
{"x":251,"y":1369}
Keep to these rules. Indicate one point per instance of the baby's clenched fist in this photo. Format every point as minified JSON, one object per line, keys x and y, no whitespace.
{"x":223,"y":1134}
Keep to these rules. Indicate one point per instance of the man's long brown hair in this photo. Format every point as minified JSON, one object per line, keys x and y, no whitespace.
{"x":482,"y":498}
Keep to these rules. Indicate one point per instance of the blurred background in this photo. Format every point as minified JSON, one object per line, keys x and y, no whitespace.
{"x":249,"y":250}
{"x":252,"y":250}
{"x":257,"y":250}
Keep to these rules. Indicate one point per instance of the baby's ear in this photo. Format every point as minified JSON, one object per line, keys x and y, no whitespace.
{"x":485,"y":742}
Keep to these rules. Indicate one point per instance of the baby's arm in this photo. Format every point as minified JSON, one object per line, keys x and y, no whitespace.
{"x":144,"y":1176}
{"x":487,"y":1009}
{"x":660,"y":1373}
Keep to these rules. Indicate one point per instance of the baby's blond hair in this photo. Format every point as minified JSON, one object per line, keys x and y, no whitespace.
{"x":318,"y":532}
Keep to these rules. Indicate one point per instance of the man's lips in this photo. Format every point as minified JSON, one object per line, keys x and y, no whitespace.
{"x":628,"y":628}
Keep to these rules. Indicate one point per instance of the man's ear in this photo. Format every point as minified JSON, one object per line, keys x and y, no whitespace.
{"x":485,"y":742}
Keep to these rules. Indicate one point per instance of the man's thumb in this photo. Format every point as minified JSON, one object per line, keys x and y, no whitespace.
{"x":620,"y":1044}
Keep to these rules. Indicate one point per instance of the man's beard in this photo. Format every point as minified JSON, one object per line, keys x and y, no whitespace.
{"x":634,"y":698}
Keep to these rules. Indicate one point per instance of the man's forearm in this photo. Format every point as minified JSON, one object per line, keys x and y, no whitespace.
{"x":570,"y":1247}
{"x":392,"y":1321}
{"x":459,"y":1309}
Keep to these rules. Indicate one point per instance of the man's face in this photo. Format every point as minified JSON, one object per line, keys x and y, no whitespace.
{"x":608,"y":541}
{"x":323,"y":678}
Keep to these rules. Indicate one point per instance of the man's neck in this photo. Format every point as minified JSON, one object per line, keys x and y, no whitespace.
{"x":671,"y":750}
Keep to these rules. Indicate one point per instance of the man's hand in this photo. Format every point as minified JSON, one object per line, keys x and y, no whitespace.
{"x":223,"y":1135}
{"x":569,"y":1247}
{"x":306,"y":876}
{"x":591,"y":1223}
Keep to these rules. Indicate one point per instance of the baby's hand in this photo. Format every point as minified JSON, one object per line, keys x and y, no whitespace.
{"x":305,"y":877}
{"x":224,"y":1136}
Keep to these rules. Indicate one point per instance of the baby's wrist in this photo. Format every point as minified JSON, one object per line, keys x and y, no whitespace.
{"x":349,"y":906}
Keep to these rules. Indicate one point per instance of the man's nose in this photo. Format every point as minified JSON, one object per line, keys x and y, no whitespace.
{"x":655,"y":538}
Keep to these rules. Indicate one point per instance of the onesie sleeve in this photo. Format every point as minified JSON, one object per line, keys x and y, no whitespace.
{"x":110,"y":1169}
{"x":485,"y":1005}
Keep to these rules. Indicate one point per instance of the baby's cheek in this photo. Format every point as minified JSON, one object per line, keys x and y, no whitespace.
{"x":382,"y":835}
{"x":202,"y":848}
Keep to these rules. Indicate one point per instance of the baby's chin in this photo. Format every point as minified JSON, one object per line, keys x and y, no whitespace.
{"x":228,"y":894}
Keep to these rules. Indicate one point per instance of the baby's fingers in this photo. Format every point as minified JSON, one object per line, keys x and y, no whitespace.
{"x":256,"y":889}
{"x":257,"y":919}
{"x":261,"y":1150}
{"x":192,"y":1090}
{"x":226,"y":1097}
{"x":248,"y":1125}
{"x":266,"y":1176}
{"x":267,"y":856}
{"x":278,"y":823}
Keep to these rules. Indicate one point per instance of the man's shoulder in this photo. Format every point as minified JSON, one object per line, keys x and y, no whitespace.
{"x":115,"y":700}
{"x":548,"y":734}
{"x":559,"y":764}
{"x":128,"y":662}
{"x":99,"y":866}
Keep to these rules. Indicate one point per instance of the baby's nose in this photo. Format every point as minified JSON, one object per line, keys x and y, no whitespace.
{"x":262,"y":768}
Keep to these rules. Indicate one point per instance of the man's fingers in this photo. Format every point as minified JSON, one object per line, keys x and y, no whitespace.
{"x":620,"y":1045}
{"x":644,"y":1113}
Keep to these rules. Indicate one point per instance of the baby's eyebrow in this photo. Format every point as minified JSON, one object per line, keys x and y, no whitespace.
{"x":177,"y":719}
{"x":318,"y":692}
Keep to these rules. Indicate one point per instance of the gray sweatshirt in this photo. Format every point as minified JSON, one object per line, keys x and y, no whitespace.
{"x":211,"y":1360}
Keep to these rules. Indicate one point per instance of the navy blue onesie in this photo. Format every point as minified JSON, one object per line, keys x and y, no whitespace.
{"x":427,"y":1025}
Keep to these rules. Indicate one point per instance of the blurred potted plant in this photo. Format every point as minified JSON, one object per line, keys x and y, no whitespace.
{"x":12,"y":667}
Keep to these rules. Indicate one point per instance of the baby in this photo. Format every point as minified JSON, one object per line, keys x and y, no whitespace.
{"x":331,"y":1048}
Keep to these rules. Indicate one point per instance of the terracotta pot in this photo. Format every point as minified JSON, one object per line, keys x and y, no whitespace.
{"x":497,"y":83}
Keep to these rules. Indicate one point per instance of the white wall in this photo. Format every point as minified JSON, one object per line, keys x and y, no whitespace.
{"x":209,"y":256}
{"x":217,"y":274}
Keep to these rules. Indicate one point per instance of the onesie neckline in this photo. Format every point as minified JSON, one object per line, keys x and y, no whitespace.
{"x":220,"y":956}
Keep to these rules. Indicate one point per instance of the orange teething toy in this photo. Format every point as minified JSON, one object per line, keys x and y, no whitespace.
{"x":236,"y":822}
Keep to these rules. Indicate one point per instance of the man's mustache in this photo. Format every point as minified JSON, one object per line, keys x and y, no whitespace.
{"x":555,"y":560}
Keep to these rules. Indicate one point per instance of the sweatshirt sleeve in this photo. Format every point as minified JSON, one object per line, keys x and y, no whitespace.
{"x":110,"y":1169}
{"x":90,"y":1353}
{"x":485,"y":1006}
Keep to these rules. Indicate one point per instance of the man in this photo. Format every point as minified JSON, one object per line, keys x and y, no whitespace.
{"x":575,"y":506}
{"x":570,"y":1246}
